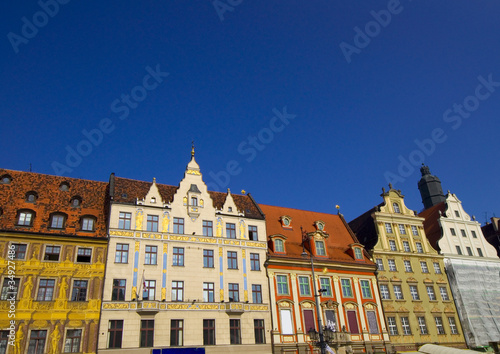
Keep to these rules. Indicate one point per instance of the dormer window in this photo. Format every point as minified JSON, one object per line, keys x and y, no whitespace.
{"x":153,"y":200}
{"x":358,"y":253}
{"x":64,"y":186}
{"x":396,"y":208}
{"x":5,"y":179}
{"x":286,"y":221}
{"x":25,"y":218}
{"x":31,"y":197}
{"x":57,"y":221}
{"x":76,"y":202}
{"x":320,"y":225}
{"x":194,"y":201}
{"x":230,"y":209}
{"x":320,"y":248}
{"x":279,"y":246}
{"x":88,"y":223}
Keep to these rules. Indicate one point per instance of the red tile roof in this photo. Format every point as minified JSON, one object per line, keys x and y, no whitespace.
{"x":52,"y":199}
{"x":431,"y":225}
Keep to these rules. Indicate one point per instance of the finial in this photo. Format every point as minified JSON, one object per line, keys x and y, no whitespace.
{"x":383,"y":190}
{"x":154,"y":179}
{"x":192,"y":148}
{"x":243,"y":191}
{"x":390,"y":185}
{"x":228,"y":191}
{"x":338,"y":208}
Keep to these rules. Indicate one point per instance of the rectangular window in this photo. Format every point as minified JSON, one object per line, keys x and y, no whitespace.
{"x":19,"y":250}
{"x":366,"y":291}
{"x":208,"y":258}
{"x":45,"y":289}
{"x":457,"y":214}
{"x":480,"y":252}
{"x":279,"y":246}
{"x":10,"y":288}
{"x":392,"y":265}
{"x":384,"y":292}
{"x":259,"y":331}
{"x":430,"y":292}
{"x":286,"y":322}
{"x":73,"y":340}
{"x":406,"y":246}
{"x":326,"y":286}
{"x":25,"y":218}
{"x":392,"y":245}
{"x":419,"y":247}
{"x":439,"y":325}
{"x":57,"y":222}
{"x":121,"y":255}
{"x":462,"y":231}
{"x":115,"y":332}
{"x":393,"y":327}
{"x":304,"y":288}
{"x":176,"y":333}
{"x":380,"y":264}
{"x":124,"y":221}
{"x":453,"y":233}
{"x":151,"y":255}
{"x":84,"y":255}
{"x":282,"y":284}
{"x":414,"y":292}
{"x":208,"y":292}
{"x":402,"y":229}
{"x":37,"y":342}
{"x":388,"y":228}
{"x":87,"y":224}
{"x":234,"y":331}
{"x":79,"y":290}
{"x":52,"y":253}
{"x":152,"y":223}
{"x":414,"y":230}
{"x":208,"y":229}
{"x":459,"y":250}
{"x":118,"y":292}
{"x":422,"y":325}
{"x":320,"y":248}
{"x":254,"y":261}
{"x":208,"y":332}
{"x":234,"y":292}
{"x":148,"y":292}
{"x":352,"y":319}
{"x":453,"y":325}
{"x":178,"y":225}
{"x":346,"y":287}
{"x":309,"y":321}
{"x":177,"y":290}
{"x":473,"y":236}
{"x":423,"y":265}
{"x":437,"y":268}
{"x":178,"y":257}
{"x":232,"y":260}
{"x":331,"y":320}
{"x":230,"y":230}
{"x":4,"y":340}
{"x":252,"y":233}
{"x":444,"y":293}
{"x":469,"y":251}
{"x":408,"y":266}
{"x":256,"y":294}
{"x":372,"y":322}
{"x":147,"y":333}
{"x":398,"y":294}
{"x":405,"y":325}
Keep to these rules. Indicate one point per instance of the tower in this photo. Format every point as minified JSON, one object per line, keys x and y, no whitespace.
{"x":430,"y":188}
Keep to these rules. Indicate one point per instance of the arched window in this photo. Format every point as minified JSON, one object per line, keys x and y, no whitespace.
{"x":31,"y":197}
{"x":76,"y":201}
{"x":395,"y":206}
{"x":5,"y":179}
{"x":64,"y":186}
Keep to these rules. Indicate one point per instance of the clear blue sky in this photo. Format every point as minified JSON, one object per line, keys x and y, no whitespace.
{"x":359,"y":81}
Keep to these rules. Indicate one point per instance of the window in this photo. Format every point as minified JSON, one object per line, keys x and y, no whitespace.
{"x":459,"y":250}
{"x":462,"y":231}
{"x":84,"y":255}
{"x":152,"y":223}
{"x":151,"y":254}
{"x":148,"y":292}
{"x":121,"y":255}
{"x":358,"y":253}
{"x":346,"y":287}
{"x":208,"y":258}
{"x":194,"y":201}
{"x":408,"y":266}
{"x":304,"y":287}
{"x":393,"y":327}
{"x":286,"y":321}
{"x":406,"y":246}
{"x":480,"y":252}
{"x":457,"y":214}
{"x":208,"y":332}
{"x":365,"y":289}
{"x":320,"y":248}
{"x":444,"y":293}
{"x":414,"y":292}
{"x":79,"y":290}
{"x":388,"y":228}
{"x":439,"y":325}
{"x":76,"y":201}
{"x":414,"y":230}
{"x":234,"y":331}
{"x":392,"y":265}
{"x":395,"y":206}
{"x":176,"y":333}
{"x":208,"y":292}
{"x":453,"y":325}
{"x":177,"y":290}
{"x":254,"y":261}
{"x":256,"y":294}
{"x":398,"y":294}
{"x":282,"y":284}
{"x":453,"y":233}
{"x":392,"y":245}
{"x":147,"y":333}
{"x":115,"y":331}
{"x":178,"y":256}
{"x":73,"y":340}
{"x":88,"y":223}
{"x":423,"y":265}
{"x":57,"y":221}
{"x":230,"y":230}
{"x":10,"y":288}
{"x":124,"y":221}
{"x":279,"y":246}
{"x":208,"y":228}
{"x":234,"y":292}
{"x":422,"y":325}
{"x":252,"y":233}
{"x":352,"y":320}
{"x":259,"y":331}
{"x":45,"y":289}
{"x":473,"y":236}
{"x":469,"y":251}
{"x":372,"y":322}
{"x":430,"y":292}
{"x":52,"y":253}
{"x":437,"y":268}
{"x":37,"y":342}
{"x":118,"y":292}
{"x":402,"y":229}
{"x":419,"y":247}
{"x":325,"y":285}
{"x":6,"y":179}
{"x":384,"y":292}
{"x":25,"y":218}
{"x":178,"y":225}
{"x":232,"y":260}
{"x":405,"y":325}
{"x":380,"y":263}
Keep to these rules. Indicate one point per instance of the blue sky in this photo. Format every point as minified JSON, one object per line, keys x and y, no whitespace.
{"x":305,"y":104}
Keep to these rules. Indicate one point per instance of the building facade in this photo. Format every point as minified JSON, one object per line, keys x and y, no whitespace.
{"x":53,"y":245}
{"x":492,"y":233}
{"x":185,"y":269}
{"x":416,"y":296}
{"x":303,"y":243}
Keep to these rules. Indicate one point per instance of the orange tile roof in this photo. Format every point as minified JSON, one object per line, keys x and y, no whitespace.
{"x":51,"y":199}
{"x":431,"y":224}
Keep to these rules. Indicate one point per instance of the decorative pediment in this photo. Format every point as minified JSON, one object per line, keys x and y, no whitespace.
{"x":350,"y":305}
{"x":396,"y":279}
{"x":435,"y":310}
{"x":441,"y":281}
{"x":285,"y":303}
{"x":229,"y":205}
{"x":428,"y":281}
{"x":448,"y":309}
{"x":330,"y":304}
{"x":370,"y":305}
{"x":403,"y":309}
{"x":411,"y":280}
{"x":153,"y":197}
{"x":418,"y":308}
{"x":389,"y":308}
{"x":307,"y":304}
{"x":382,"y":278}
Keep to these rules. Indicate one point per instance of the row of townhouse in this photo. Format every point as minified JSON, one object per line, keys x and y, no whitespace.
{"x":132,"y":266}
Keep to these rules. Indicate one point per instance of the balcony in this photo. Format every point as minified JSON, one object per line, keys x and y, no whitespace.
{"x":235,"y":308}
{"x":147,"y":307}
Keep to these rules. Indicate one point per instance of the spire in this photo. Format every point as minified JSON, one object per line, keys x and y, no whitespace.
{"x":192,"y":167}
{"x":430,"y":188}
{"x":192,"y":149}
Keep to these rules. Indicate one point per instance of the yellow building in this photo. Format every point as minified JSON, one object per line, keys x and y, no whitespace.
{"x":414,"y":289}
{"x":53,"y":246}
